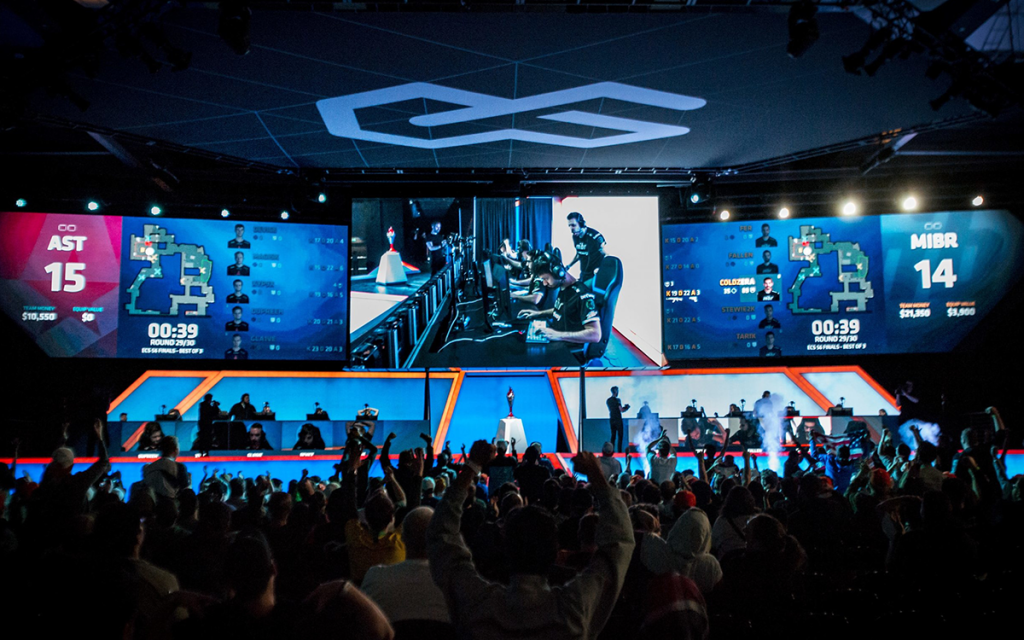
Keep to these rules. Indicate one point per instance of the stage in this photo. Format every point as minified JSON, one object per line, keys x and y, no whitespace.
{"x":460,"y":406}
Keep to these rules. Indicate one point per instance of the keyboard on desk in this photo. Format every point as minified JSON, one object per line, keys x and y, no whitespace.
{"x":534,"y":334}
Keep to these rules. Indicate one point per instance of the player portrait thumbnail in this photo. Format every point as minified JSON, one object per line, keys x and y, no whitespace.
{"x":237,"y":296}
{"x":239,"y":268}
{"x":769,"y":321}
{"x":769,"y":350}
{"x":236,"y":352}
{"x":236,"y":323}
{"x":767,"y":266}
{"x":766,"y":239}
{"x":239,"y":241}
{"x":768,"y":292}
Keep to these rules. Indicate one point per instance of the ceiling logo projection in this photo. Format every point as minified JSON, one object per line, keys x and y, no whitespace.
{"x":339,"y":115}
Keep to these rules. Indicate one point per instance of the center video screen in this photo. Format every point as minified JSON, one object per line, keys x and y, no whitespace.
{"x":534,"y":282}
{"x":898,"y":283}
{"x":106,"y":286}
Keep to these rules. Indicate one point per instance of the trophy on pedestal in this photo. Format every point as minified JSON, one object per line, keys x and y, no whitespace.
{"x":511,"y":427}
{"x":391,"y":269}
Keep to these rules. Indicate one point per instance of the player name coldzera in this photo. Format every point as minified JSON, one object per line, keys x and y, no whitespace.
{"x":738,"y":309}
{"x":267,"y":312}
{"x":267,"y":256}
{"x":735,"y":282}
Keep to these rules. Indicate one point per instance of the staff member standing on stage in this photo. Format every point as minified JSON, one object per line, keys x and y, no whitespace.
{"x":615,"y":409}
{"x":589,"y":246}
{"x":574,"y":316}
{"x":436,"y":246}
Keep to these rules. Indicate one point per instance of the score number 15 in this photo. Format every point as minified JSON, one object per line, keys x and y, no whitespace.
{"x":66,"y":276}
{"x":943,"y":273}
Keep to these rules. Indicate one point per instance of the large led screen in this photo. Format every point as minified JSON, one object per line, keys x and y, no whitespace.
{"x":828,"y":286}
{"x":105,"y":286}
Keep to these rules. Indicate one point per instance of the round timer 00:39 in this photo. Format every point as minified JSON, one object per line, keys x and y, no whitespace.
{"x":180,"y":331}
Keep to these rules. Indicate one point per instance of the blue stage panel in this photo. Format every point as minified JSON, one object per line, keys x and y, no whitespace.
{"x":668,"y":395}
{"x":293,"y":398}
{"x":482,"y":405}
{"x":860,"y":395}
{"x":145,"y":402}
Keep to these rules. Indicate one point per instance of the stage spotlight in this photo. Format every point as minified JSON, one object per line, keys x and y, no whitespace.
{"x":285,"y":215}
{"x":321,"y":197}
{"x":700,"y":189}
{"x":21,"y":203}
{"x":233,"y":25}
{"x":723,"y":214}
{"x":155,"y":210}
{"x":224,"y":213}
{"x":803,"y":28}
{"x":92,"y":205}
{"x":978,"y":201}
{"x":849,"y":208}
{"x":909,"y":203}
{"x":784,"y":213}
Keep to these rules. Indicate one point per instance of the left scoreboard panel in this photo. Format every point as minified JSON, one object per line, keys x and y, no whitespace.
{"x":104,"y":286}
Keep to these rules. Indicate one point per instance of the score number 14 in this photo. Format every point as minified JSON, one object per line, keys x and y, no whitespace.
{"x":942,"y":274}
{"x":66,"y":276}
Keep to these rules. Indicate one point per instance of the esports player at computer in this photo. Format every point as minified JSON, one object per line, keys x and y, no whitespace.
{"x":769,"y":350}
{"x":236,"y":323}
{"x":257,"y":437}
{"x":237,"y":297}
{"x":367,"y":413}
{"x":242,"y":410}
{"x":769,"y":319}
{"x":589,"y":246}
{"x":310,"y":438}
{"x":239,"y":268}
{"x":767,"y":293}
{"x":239,"y":241}
{"x":574,"y":316}
{"x":767,"y":266}
{"x":534,"y":287}
{"x":236,"y":352}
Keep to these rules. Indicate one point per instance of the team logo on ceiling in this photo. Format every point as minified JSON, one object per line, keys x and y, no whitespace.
{"x":339,"y":115}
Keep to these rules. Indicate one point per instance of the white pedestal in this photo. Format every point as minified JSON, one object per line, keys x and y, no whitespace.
{"x":509,"y":428}
{"x":391,"y":270}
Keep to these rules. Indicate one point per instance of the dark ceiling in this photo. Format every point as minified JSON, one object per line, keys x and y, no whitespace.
{"x":537,"y":95}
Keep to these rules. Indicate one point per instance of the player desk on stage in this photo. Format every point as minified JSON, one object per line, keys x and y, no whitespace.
{"x":500,"y":349}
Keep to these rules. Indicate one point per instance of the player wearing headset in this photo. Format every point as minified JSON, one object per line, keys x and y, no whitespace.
{"x":574,"y":317}
{"x":589,"y":245}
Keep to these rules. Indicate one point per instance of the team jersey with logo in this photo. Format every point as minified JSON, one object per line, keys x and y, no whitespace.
{"x":574,"y":307}
{"x":589,"y":250}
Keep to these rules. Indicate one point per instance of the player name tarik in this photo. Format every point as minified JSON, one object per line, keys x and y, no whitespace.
{"x":741,"y":255}
{"x":738,"y":309}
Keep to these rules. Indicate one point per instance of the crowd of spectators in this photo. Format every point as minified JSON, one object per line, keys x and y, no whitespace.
{"x":902,"y":539}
